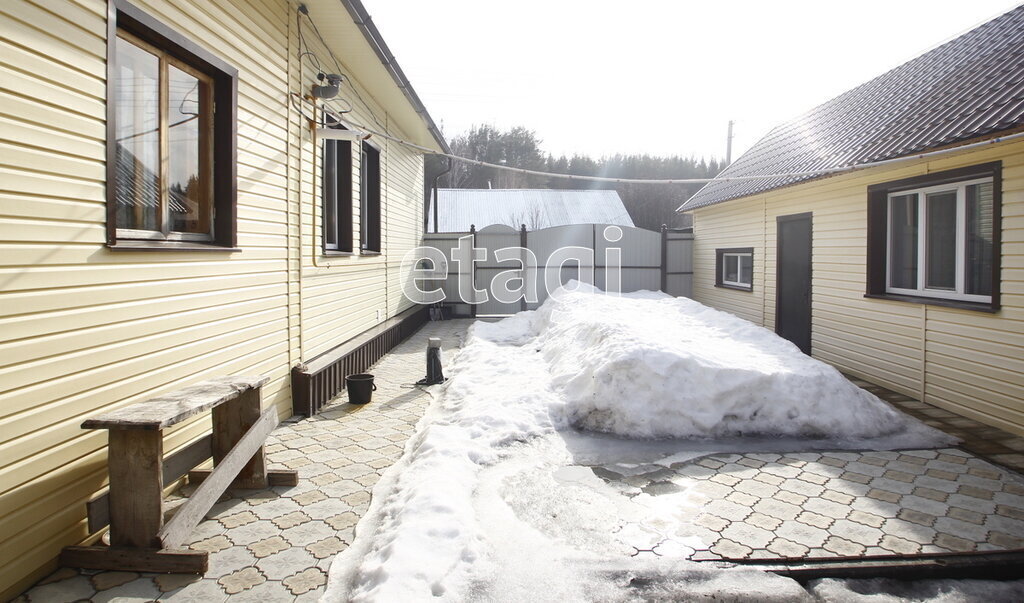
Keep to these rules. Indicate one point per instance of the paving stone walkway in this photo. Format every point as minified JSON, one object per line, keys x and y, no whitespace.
{"x":277,"y":544}
{"x":817,"y":505}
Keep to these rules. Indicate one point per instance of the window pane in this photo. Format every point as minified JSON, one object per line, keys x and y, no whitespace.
{"x":370,"y":210}
{"x":903,"y":241}
{"x":978,"y":254}
{"x":137,"y":132}
{"x":746,"y":269}
{"x":364,"y":199}
{"x":330,"y":192}
{"x":940,"y":241}
{"x":731,"y":270}
{"x":187,"y":197}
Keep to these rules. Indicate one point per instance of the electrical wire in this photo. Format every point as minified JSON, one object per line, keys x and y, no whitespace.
{"x":338,"y":115}
{"x":337,"y":64}
{"x":800,"y":174}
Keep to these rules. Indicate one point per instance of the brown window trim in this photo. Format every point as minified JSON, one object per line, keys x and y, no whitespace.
{"x":336,"y":189}
{"x":878,"y":195}
{"x":935,"y":301}
{"x":718,"y":268}
{"x":125,"y":17}
{"x":371,"y":203}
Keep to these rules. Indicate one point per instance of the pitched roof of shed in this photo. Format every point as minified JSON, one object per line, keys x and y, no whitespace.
{"x":968,"y":87}
{"x":537,"y":208}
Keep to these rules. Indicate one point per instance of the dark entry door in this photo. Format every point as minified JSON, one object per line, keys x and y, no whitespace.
{"x":793,"y":280}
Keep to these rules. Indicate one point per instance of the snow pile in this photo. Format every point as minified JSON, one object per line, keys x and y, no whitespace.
{"x":489,"y":501}
{"x":427,"y":534}
{"x":652,"y":366}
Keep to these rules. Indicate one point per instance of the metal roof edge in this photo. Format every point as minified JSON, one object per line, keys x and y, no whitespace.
{"x":364,"y":22}
{"x":952,"y":147}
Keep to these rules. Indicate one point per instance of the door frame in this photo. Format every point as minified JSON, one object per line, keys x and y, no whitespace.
{"x":809,"y":216}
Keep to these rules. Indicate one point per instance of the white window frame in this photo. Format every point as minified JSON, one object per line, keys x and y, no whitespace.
{"x":922,"y":231}
{"x":739,"y":269}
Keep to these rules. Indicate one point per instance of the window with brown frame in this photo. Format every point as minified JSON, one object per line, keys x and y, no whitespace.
{"x":934,"y":239}
{"x":336,"y":172}
{"x":734,"y":268}
{"x":369,"y":199}
{"x":170,"y":138}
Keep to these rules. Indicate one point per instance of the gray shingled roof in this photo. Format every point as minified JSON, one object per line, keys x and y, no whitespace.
{"x":537,"y":208}
{"x":968,"y":87}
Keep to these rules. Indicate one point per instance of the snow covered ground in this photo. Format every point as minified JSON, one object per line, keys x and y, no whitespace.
{"x":489,"y":503}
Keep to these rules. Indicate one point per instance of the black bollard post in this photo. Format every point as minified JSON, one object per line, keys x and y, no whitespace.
{"x":434,"y":372}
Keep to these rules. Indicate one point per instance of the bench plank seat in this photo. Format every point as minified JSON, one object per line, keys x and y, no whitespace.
{"x":169,"y":409}
{"x":139,"y":538}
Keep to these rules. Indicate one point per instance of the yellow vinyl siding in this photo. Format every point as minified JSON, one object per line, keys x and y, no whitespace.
{"x":85,"y":329}
{"x":968,"y":362}
{"x":341,"y":295}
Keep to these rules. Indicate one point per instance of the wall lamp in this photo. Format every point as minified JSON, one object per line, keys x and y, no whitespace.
{"x":329,"y":90}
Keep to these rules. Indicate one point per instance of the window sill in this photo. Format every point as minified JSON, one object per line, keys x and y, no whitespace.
{"x":331,"y":253}
{"x":169,"y":246}
{"x":368,"y":252}
{"x":735,"y":287}
{"x":934,"y":301}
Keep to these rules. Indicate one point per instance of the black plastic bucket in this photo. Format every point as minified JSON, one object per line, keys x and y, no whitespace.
{"x":360,"y":388}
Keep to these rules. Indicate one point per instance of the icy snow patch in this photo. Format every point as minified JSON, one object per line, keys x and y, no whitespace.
{"x":649,"y":365}
{"x":481,"y":505}
{"x":881,"y":590}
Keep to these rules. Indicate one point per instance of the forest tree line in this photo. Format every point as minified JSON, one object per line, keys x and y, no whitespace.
{"x":649,"y":205}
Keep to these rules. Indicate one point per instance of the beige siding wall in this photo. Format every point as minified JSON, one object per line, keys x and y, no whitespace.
{"x":968,"y":362}
{"x":84,"y":329}
{"x":343,"y":296}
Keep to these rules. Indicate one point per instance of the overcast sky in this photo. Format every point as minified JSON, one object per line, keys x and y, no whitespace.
{"x":653,"y":76}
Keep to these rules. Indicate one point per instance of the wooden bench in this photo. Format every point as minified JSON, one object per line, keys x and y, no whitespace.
{"x":139,"y":538}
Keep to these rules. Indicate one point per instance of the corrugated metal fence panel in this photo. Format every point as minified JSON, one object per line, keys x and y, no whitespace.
{"x":641,"y":261}
{"x":494,"y":238}
{"x":545,"y":242}
{"x":639,"y":247}
{"x":680,"y":253}
{"x":632,"y":279}
{"x":680,"y":285}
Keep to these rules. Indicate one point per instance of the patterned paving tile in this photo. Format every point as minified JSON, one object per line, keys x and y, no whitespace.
{"x":276,"y":544}
{"x":888,"y":503}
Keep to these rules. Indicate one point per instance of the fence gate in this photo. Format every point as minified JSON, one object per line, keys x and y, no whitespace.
{"x":656,"y":261}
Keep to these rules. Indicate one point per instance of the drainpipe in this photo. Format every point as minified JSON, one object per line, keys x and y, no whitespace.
{"x":436,"y":178}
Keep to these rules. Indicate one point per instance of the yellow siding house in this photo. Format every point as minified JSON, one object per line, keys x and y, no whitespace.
{"x":886,"y":236}
{"x":167,"y":215}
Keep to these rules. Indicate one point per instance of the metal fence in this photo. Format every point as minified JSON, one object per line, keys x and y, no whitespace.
{"x":657,"y":261}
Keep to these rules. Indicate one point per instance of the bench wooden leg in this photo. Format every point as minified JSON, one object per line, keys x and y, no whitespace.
{"x":231,"y":421}
{"x":135,"y":560}
{"x":136,"y":487}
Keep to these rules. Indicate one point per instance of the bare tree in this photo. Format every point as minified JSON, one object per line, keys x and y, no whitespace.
{"x":533,"y":217}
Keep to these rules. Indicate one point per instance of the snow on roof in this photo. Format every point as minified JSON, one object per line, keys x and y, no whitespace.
{"x":460,"y":208}
{"x":969,"y":87}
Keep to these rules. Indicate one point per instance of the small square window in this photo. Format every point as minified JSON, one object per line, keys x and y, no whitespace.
{"x":734,"y":268}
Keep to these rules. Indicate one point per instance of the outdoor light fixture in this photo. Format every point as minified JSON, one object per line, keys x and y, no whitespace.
{"x":339,"y":134}
{"x":330,"y":90}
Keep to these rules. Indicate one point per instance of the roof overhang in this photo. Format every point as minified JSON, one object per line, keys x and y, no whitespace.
{"x":351,"y":35}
